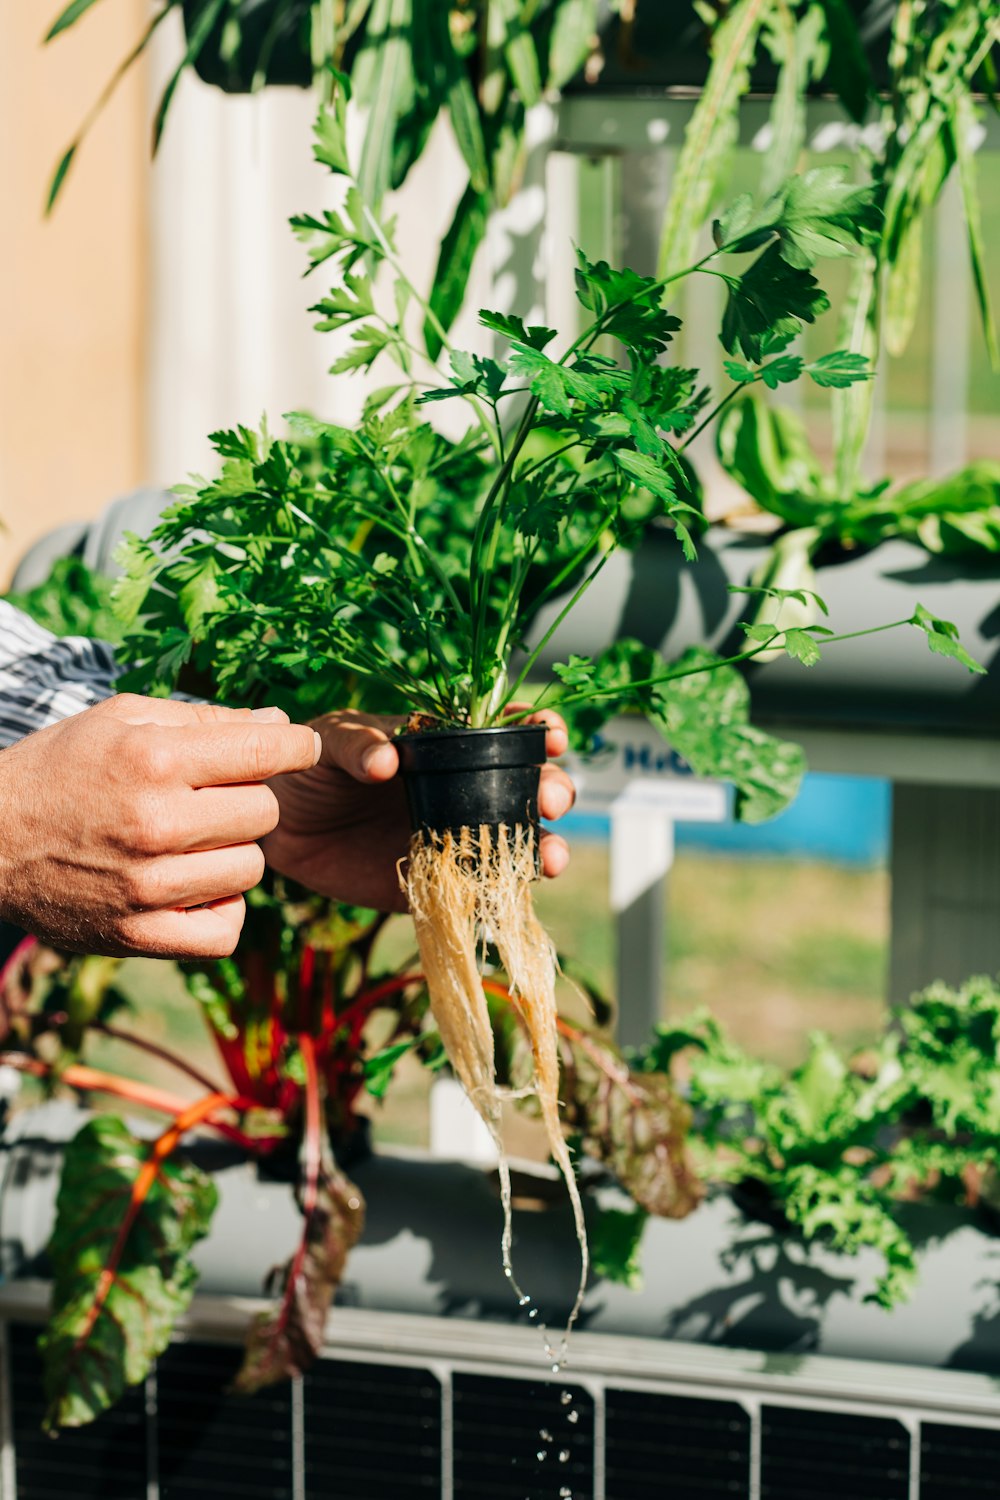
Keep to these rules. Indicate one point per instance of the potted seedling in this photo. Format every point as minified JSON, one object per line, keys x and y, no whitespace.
{"x":414,"y":564}
{"x":310,"y":1023}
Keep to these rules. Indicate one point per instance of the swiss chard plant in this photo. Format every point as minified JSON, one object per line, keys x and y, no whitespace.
{"x":307,"y":1024}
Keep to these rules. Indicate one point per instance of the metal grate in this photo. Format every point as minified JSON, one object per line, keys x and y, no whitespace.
{"x":106,"y":1461}
{"x":210,"y":1442}
{"x":371,"y":1428}
{"x":959,"y":1463}
{"x":500,"y":1427}
{"x":371,"y":1432}
{"x":827,"y":1455}
{"x":704,"y":1446}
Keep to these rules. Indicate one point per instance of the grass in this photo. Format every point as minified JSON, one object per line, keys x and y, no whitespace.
{"x":775,"y":947}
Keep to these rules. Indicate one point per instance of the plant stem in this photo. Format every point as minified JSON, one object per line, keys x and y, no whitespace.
{"x":572,"y":603}
{"x":154,"y":1050}
{"x":665,"y":677}
{"x":478,"y":576}
{"x":720,"y":406}
{"x":311,"y":1142}
{"x":91,"y":1080}
{"x":363,"y":1004}
{"x":431,"y":317}
{"x":852,"y":635}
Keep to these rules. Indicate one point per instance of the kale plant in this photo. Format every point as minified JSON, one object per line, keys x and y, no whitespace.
{"x":838,"y":1143}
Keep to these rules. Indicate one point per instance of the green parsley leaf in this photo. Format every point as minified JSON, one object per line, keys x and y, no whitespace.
{"x":511,"y":327}
{"x":645,"y":471}
{"x":801,"y":645}
{"x":369,"y":342}
{"x":839,"y":369}
{"x":780,"y":371}
{"x":330,"y":131}
{"x":738,"y":371}
{"x":771,"y":299}
{"x":820,"y":214}
{"x":942,"y":638}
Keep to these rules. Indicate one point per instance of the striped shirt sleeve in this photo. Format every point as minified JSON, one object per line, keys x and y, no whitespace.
{"x":44,"y":679}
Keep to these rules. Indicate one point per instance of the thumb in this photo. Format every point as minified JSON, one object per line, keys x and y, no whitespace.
{"x":360,"y":745}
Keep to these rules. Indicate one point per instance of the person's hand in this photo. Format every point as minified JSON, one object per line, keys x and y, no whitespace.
{"x":344,"y":825}
{"x":131,"y":828}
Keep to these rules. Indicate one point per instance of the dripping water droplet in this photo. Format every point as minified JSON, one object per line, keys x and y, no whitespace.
{"x":533,"y":1313}
{"x":564,"y":1455}
{"x":542,"y":1455}
{"x":523,"y":1300}
{"x":565,"y":1397}
{"x":545,"y":1435}
{"x":573,"y":1416}
{"x":565,"y":1493}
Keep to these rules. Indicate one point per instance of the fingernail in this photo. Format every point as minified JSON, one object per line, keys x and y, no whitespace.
{"x":561,"y":801}
{"x":269,"y":715}
{"x":319,"y":746}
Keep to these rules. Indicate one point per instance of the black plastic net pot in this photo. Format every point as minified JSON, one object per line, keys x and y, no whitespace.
{"x":465,"y":778}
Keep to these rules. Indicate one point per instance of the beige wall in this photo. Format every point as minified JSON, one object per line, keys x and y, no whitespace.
{"x":71,"y":404}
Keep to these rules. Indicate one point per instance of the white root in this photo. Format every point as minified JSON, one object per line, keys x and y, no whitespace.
{"x":462,"y":889}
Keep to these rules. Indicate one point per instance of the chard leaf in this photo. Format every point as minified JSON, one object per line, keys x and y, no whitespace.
{"x":633,"y":1123}
{"x":285,"y":1340}
{"x":122,"y":1272}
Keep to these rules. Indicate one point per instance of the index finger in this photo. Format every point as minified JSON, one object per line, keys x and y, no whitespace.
{"x":133,"y":708}
{"x":234,"y":754}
